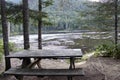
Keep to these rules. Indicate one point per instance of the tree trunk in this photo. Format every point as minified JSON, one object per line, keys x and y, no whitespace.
{"x":40,"y":26}
{"x":26,"y":24}
{"x":5,"y":33}
{"x":26,"y":28}
{"x":116,"y":22}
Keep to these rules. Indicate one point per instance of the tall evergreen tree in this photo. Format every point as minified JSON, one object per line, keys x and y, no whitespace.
{"x":116,"y":22}
{"x":5,"y":33}
{"x":26,"y":24}
{"x":40,"y":25}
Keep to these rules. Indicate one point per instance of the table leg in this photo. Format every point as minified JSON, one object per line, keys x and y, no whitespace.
{"x":69,"y":77}
{"x":72,"y":63}
{"x":25,"y":62}
{"x":72,"y":66}
{"x":19,"y":77}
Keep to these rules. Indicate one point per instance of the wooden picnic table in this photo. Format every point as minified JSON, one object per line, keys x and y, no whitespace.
{"x":47,"y":53}
{"x":26,"y":55}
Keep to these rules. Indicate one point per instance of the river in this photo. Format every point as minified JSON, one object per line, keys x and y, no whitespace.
{"x":63,"y":40}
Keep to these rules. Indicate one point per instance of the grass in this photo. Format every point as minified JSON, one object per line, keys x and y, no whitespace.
{"x":1,"y":56}
{"x":87,"y":44}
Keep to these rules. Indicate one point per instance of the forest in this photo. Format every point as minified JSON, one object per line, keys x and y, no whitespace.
{"x":64,"y":15}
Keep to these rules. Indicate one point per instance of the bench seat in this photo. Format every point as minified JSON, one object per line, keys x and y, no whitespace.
{"x":44,"y":72}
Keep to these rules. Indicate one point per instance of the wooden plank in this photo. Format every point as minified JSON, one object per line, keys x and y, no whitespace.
{"x":47,"y":53}
{"x":44,"y":72}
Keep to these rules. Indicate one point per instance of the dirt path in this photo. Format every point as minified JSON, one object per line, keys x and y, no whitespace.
{"x":95,"y":69}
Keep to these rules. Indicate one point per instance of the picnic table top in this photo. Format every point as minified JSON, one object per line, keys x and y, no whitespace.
{"x":47,"y":53}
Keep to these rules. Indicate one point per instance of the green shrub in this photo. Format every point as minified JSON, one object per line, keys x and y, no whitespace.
{"x":1,"y":46}
{"x":11,"y":48}
{"x":105,"y":49}
{"x":108,"y":50}
{"x":1,"y":49}
{"x":116,"y":53}
{"x":1,"y":56}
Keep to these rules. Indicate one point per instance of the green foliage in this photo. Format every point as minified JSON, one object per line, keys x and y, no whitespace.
{"x":105,"y":49}
{"x":108,"y":50}
{"x":14,"y":12}
{"x":1,"y":56}
{"x":117,"y":52}
{"x":11,"y":48}
{"x":1,"y":49}
{"x":99,"y":15}
{"x":1,"y":46}
{"x":47,"y":3}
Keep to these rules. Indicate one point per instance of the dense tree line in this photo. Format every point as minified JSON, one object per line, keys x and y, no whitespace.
{"x":64,"y":15}
{"x":101,"y":14}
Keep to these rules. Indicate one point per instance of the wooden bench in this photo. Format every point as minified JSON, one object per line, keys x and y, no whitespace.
{"x":18,"y":72}
{"x":44,"y":72}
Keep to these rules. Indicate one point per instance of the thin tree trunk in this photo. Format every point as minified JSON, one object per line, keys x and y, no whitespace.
{"x":40,"y":26}
{"x":116,"y":22}
{"x":26,"y":29}
{"x":5,"y":33}
{"x":26,"y":24}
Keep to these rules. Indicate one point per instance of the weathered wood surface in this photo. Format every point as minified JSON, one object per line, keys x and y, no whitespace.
{"x":47,"y":53}
{"x":45,"y":72}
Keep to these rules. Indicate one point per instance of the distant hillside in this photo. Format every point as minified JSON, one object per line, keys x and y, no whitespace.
{"x":66,"y":5}
{"x":63,"y":13}
{"x":61,"y":5}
